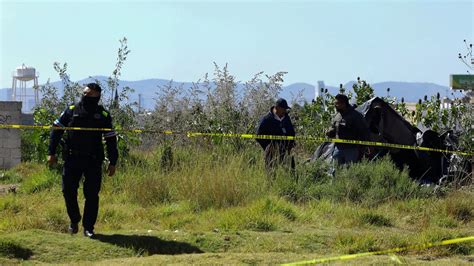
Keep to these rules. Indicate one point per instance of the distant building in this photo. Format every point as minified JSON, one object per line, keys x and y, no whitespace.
{"x":463,"y":83}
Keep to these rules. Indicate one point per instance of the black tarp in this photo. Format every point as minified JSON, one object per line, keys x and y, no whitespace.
{"x":386,"y":124}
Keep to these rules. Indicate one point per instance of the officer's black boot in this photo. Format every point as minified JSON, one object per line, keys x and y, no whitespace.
{"x":73,"y":228}
{"x":89,"y":233}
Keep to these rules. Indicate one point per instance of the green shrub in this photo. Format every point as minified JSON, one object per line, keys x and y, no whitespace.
{"x":207,"y":184}
{"x":178,"y":222}
{"x":263,"y":223}
{"x":266,"y":214}
{"x":369,"y":183}
{"x":460,"y":207}
{"x":280,"y":207}
{"x":432,"y":235}
{"x":40,"y":181}
{"x":31,"y":177}
{"x":11,"y":204}
{"x":166,"y":161}
{"x":375,"y":219}
{"x":21,"y":172}
{"x":56,"y":218}
{"x":113,"y":216}
{"x":148,"y":190}
{"x":374,"y":183}
{"x":305,"y":184}
{"x":446,"y":222}
{"x":356,"y":243}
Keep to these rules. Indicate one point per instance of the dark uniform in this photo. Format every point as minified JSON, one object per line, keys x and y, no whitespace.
{"x":83,"y":154}
{"x":349,"y":125}
{"x":276,"y":150}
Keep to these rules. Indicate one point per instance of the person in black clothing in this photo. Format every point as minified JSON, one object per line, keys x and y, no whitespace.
{"x":83,"y":154}
{"x":276,"y":123}
{"x":347,"y":124}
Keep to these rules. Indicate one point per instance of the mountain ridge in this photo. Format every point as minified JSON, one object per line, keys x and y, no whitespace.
{"x":410,"y":91}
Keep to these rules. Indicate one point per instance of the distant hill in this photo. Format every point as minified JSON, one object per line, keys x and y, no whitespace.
{"x":411,"y":91}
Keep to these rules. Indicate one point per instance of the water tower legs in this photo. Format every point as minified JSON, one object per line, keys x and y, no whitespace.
{"x":13,"y":90}
{"x":36,"y":90}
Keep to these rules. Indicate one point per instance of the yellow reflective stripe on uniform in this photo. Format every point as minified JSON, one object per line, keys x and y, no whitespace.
{"x":58,"y":123}
{"x":104,"y":113}
{"x":72,"y":107}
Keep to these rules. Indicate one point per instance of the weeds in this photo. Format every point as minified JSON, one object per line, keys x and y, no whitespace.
{"x":369,"y":206}
{"x":368,"y":183}
{"x":375,"y":219}
{"x":460,"y":207}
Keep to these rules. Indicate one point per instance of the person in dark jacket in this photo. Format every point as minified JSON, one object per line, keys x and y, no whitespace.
{"x":83,"y":154}
{"x":347,"y":124}
{"x":276,"y":123}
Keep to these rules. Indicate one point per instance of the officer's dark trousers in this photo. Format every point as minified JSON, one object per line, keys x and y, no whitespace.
{"x":74,"y":168}
{"x":276,"y":154}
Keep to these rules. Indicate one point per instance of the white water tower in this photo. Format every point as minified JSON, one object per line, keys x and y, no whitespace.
{"x":21,"y":76}
{"x":317,"y":91}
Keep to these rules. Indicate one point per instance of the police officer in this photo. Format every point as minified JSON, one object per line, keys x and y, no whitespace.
{"x":277,"y":123}
{"x":83,"y":154}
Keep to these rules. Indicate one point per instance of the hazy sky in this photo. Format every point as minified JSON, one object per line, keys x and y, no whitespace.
{"x":334,"y":41}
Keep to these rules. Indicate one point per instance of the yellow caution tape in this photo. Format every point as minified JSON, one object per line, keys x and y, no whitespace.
{"x":317,"y":139}
{"x":248,"y":136}
{"x":68,"y":128}
{"x":388,"y":251}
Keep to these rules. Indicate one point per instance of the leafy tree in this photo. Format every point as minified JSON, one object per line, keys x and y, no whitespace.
{"x":260,"y":95}
{"x":363,"y":91}
{"x":35,"y":142}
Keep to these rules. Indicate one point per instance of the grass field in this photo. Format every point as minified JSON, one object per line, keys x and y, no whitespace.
{"x":217,"y":206}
